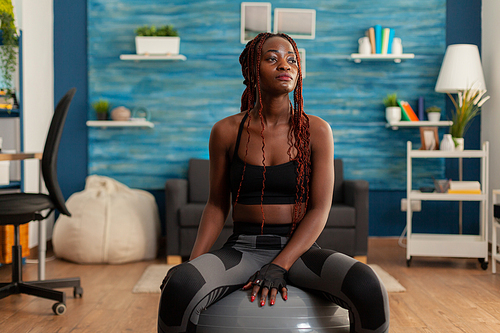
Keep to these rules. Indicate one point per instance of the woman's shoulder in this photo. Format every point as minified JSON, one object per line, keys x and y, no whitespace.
{"x":319,"y":126}
{"x":226,"y":129}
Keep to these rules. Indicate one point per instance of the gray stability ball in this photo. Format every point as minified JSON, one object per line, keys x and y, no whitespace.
{"x":302,"y":312}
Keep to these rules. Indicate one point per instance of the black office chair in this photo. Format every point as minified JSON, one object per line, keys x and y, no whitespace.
{"x":20,"y":208}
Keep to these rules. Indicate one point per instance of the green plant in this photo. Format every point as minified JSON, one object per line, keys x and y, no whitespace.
{"x":467,"y":106}
{"x":391,"y":100}
{"x":101,"y":106}
{"x":9,"y":50}
{"x":161,"y":31}
{"x":433,"y":109}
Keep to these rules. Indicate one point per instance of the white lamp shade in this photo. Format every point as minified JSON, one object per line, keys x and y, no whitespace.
{"x":460,"y":70}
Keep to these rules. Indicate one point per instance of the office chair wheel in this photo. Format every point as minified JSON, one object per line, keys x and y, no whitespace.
{"x":59,"y":308}
{"x":77,"y":291}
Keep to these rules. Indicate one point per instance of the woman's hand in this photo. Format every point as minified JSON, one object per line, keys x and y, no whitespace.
{"x":270,"y":277}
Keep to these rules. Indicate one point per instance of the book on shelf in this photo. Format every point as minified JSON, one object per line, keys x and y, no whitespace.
{"x":371,"y":36}
{"x":465,"y":185}
{"x":378,"y":38}
{"x":450,"y":191}
{"x":389,"y":43}
{"x":385,"y":40}
{"x":408,"y":109}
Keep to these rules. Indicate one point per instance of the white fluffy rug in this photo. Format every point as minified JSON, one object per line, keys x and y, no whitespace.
{"x":152,"y":277}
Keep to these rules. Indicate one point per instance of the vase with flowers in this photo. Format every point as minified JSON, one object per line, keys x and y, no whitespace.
{"x":467,"y":106}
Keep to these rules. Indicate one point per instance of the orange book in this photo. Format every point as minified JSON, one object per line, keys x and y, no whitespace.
{"x":371,"y":35}
{"x":409,"y":111}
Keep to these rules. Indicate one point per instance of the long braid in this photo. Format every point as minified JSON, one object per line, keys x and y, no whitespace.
{"x":250,"y":63}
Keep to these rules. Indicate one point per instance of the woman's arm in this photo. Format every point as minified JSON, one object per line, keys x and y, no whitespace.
{"x":217,"y":207}
{"x":320,"y":195}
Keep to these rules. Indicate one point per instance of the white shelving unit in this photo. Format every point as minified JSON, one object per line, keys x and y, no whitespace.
{"x":138,"y":57}
{"x":439,"y":245}
{"x":358,"y":57}
{"x":396,"y":125}
{"x":115,"y":123}
{"x":495,"y":256}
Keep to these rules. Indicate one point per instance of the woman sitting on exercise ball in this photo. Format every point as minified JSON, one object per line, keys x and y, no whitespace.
{"x":276,"y":164}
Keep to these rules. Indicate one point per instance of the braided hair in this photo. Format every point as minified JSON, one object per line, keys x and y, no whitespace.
{"x":250,"y":67}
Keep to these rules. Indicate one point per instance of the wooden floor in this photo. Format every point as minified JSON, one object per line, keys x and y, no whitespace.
{"x":443,"y":295}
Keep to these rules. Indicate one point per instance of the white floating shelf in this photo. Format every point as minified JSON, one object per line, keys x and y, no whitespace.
{"x":357,"y":57}
{"x":152,"y":57}
{"x":396,"y":125}
{"x":116,"y":123}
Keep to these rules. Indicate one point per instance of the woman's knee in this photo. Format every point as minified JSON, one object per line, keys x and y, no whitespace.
{"x":178,"y":289}
{"x":367,"y":295}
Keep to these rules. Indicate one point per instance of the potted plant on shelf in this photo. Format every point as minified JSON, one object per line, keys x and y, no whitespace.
{"x":467,"y":106}
{"x":162,"y":40}
{"x":392,"y":109}
{"x":101,"y":108}
{"x":433,"y":113}
{"x":9,"y":46}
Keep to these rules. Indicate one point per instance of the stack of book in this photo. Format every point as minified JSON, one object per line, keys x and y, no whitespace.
{"x":465,"y":187}
{"x":407,"y":112}
{"x":380,"y":39}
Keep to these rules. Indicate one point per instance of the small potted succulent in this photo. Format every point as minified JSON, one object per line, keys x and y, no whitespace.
{"x":433,"y":113}
{"x":151,"y":40}
{"x":392,"y":109}
{"x":101,"y":108}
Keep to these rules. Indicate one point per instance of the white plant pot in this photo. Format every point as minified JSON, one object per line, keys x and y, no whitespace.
{"x":393,"y":114}
{"x":433,"y":116}
{"x":157,"y":45}
{"x":460,"y":144}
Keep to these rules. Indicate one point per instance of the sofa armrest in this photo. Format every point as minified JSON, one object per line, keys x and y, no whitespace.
{"x":176,"y":195}
{"x":356,"y":194}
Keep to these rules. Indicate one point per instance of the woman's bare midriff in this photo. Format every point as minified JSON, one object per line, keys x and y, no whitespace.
{"x":274,"y":214}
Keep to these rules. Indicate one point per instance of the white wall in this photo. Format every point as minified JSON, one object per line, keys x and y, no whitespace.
{"x":490,"y":114}
{"x":37,"y":17}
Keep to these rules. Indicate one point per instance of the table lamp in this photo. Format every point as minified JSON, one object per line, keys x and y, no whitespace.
{"x":461,"y":69}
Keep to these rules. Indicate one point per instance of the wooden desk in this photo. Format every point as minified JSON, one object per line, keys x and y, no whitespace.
{"x":42,"y":230}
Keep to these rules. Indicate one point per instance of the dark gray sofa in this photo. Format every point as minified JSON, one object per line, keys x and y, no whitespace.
{"x":346,"y":230}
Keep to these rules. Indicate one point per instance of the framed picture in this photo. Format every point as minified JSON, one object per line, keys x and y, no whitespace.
{"x":297,"y":23}
{"x":429,"y":138}
{"x":302,"y":55}
{"x":255,"y":18}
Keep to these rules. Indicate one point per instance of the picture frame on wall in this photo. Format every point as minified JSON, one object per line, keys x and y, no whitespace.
{"x":429,"y":138}
{"x":302,"y":55}
{"x":255,"y":18}
{"x":297,"y":23}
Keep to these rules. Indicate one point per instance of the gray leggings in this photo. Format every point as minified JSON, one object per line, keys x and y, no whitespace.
{"x":193,"y":286}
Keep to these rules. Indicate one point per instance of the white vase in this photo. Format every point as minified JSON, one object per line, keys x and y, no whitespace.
{"x":157,"y":45}
{"x":397,"y":46}
{"x":447,"y":143}
{"x":364,"y":45}
{"x":460,"y":144}
{"x":393,"y":114}
{"x":434,"y":116}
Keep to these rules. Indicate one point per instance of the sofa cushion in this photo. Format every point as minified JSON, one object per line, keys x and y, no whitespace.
{"x":199,"y":180}
{"x":341,"y":216}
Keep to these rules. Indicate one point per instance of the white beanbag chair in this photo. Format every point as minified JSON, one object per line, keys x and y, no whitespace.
{"x":109,"y":223}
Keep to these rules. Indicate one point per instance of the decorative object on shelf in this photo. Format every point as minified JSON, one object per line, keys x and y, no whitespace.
{"x":459,"y":144}
{"x":397,"y":46}
{"x":461,"y":73}
{"x":447,"y":143}
{"x":152,"y":40}
{"x":120,"y":113}
{"x":101,"y":108}
{"x":429,"y":138}
{"x":421,"y":107}
{"x":442,"y":185}
{"x":141,"y":112}
{"x":433,"y":113}
{"x":364,"y":45}
{"x":9,"y":42}
{"x":392,"y":109}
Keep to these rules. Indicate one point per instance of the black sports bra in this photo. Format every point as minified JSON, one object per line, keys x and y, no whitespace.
{"x":280,"y":185}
